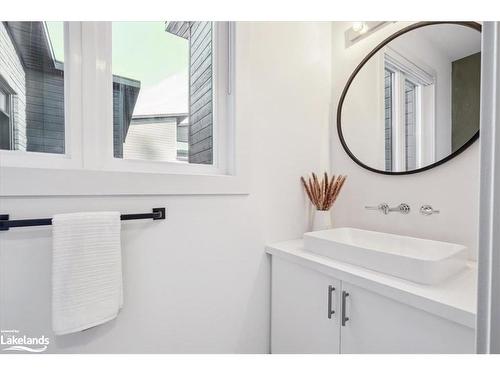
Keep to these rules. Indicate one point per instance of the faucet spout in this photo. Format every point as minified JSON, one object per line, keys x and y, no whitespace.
{"x":382,"y":207}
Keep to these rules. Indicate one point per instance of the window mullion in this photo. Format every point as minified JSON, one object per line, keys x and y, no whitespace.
{"x":73,"y":90}
{"x":96,"y":94}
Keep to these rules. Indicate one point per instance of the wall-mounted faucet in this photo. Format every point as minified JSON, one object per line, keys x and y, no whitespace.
{"x":382,"y":207}
{"x":403,"y":208}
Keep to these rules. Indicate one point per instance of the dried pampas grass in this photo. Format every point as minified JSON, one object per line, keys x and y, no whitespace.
{"x":324,"y":193}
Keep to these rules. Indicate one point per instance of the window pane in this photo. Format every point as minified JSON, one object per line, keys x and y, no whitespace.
{"x":32,"y":77}
{"x":3,"y":102}
{"x":410,"y":125}
{"x":5,"y":132}
{"x":162,"y":91}
{"x":388,"y":100}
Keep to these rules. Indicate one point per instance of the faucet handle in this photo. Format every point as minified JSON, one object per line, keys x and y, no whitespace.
{"x":427,"y":210}
{"x":383,"y":207}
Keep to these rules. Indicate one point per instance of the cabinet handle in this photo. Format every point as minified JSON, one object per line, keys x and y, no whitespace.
{"x":331,"y":289}
{"x":344,"y":318}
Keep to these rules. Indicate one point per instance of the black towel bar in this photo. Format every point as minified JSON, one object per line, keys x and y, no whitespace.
{"x":5,"y":223}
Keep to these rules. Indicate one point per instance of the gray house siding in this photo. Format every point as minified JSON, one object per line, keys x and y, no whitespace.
{"x":118,"y":118}
{"x":12,"y":75}
{"x":200,"y":137}
{"x":39,"y":121}
{"x":45,"y":111}
{"x":200,"y":94}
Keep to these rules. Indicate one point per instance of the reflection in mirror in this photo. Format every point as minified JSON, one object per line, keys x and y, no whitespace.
{"x":416,"y":100}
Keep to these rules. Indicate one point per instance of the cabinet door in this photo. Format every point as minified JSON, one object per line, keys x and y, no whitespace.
{"x":300,"y":319}
{"x":381,"y":325}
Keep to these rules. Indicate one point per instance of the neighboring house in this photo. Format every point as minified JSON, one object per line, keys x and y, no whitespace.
{"x":157,"y":137}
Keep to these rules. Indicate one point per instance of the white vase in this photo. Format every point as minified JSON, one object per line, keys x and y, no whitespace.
{"x":322,"y":220}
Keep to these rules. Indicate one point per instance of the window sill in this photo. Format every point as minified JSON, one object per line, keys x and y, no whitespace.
{"x":24,"y":182}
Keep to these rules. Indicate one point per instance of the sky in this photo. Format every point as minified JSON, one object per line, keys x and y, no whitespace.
{"x":56,"y":34}
{"x":144,"y":51}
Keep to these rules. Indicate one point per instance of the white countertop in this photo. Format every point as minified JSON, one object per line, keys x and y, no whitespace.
{"x":454,"y":299}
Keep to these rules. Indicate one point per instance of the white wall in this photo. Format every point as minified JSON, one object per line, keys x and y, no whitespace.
{"x":199,"y":281}
{"x":364,"y":112}
{"x":452,"y":187}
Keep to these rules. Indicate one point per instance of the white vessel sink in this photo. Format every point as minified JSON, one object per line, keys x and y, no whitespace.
{"x":415,"y":259}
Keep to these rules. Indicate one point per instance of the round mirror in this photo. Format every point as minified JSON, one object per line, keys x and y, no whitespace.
{"x":413,"y":102}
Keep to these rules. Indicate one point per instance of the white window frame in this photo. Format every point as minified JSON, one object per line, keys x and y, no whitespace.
{"x":89,"y":167}
{"x":425,"y":79}
{"x":7,"y":111}
{"x":97,"y":45}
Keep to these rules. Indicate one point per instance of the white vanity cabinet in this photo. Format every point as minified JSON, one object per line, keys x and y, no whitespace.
{"x":305,"y":308}
{"x":313,"y":312}
{"x":378,"y":324}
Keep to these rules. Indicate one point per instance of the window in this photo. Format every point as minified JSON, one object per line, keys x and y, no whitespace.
{"x":408,"y":112}
{"x":163,"y":91}
{"x":32,"y":114}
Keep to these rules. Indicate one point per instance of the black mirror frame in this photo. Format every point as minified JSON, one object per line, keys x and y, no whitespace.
{"x":473,"y":25}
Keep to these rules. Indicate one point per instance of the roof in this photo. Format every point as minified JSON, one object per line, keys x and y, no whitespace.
{"x":179,"y":28}
{"x":33,"y":46}
{"x":178,"y":117}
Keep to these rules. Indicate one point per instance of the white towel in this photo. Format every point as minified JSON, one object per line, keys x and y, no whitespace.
{"x":86,"y":270}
